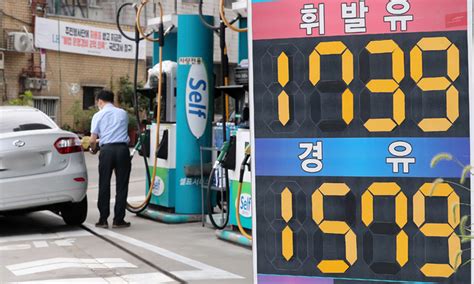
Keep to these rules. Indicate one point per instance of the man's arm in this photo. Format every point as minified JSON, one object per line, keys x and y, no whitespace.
{"x":94,"y":135}
{"x":93,"y":143}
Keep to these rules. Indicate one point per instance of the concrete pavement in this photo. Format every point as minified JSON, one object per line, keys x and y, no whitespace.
{"x":40,"y":248}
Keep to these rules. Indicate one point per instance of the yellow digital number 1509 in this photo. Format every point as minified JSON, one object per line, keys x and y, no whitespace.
{"x":389,"y":189}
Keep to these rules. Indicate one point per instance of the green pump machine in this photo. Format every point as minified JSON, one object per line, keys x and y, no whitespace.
{"x":241,"y":202}
{"x":235,"y":152}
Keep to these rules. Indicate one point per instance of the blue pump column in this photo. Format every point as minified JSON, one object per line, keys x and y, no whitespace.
{"x":169,"y":49}
{"x":243,"y":41}
{"x":195,"y":107}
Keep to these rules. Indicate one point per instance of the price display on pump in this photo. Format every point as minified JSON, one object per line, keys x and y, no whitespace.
{"x":351,"y":100}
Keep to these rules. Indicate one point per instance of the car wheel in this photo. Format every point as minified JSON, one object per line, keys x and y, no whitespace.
{"x":75,"y":213}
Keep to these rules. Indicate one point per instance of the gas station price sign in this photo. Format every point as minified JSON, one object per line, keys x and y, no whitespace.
{"x":351,"y":101}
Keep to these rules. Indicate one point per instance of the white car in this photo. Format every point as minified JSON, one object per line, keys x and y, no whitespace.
{"x":42,"y":167}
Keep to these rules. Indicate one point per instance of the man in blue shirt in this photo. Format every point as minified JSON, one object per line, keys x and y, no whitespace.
{"x":110,"y":125}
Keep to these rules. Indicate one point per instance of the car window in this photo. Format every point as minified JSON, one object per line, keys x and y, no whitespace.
{"x":14,"y":121}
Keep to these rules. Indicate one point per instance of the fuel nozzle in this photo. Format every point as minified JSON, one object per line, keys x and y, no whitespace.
{"x":223,"y":153}
{"x":245,"y":162}
{"x":247,"y":150}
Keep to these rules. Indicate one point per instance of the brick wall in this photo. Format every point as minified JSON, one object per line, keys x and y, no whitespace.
{"x":65,"y":69}
{"x":106,"y":12}
{"x":62,"y":69}
{"x":15,"y":15}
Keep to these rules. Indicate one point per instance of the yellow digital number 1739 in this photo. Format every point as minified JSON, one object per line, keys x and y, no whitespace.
{"x":382,"y":85}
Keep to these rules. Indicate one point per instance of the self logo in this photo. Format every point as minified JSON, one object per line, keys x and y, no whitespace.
{"x":197,"y":99}
{"x":158,"y":186}
{"x":245,"y":208}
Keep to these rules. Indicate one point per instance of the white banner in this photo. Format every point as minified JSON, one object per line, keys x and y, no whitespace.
{"x":85,"y":39}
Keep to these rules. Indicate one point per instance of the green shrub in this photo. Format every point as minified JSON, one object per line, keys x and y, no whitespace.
{"x":25,"y":99}
{"x":465,"y":225}
{"x":125,"y":94}
{"x":132,"y":121}
{"x":66,"y":127}
{"x":81,"y":118}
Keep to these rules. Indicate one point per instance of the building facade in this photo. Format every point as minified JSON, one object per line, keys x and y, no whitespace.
{"x":60,"y":79}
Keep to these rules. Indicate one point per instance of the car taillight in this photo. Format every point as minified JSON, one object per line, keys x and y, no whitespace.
{"x":68,"y":145}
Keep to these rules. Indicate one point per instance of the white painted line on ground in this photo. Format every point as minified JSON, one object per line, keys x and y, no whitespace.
{"x":132,"y":199}
{"x":49,"y":236}
{"x":132,"y":278}
{"x":65,"y":243}
{"x":15,"y":247}
{"x":148,"y":278}
{"x":40,"y":244}
{"x":129,"y":199}
{"x":51,"y":264}
{"x":206,"y":271}
{"x":194,"y":275}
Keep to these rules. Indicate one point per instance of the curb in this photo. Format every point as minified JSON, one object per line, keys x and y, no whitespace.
{"x":234,"y":237}
{"x":169,"y":218}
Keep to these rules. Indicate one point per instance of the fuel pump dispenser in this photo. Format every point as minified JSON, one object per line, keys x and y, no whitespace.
{"x":140,"y":35}
{"x":240,"y":191}
{"x":168,"y":100}
{"x":164,"y":185}
{"x":244,"y":201}
{"x":226,"y":92}
{"x":184,"y":85}
{"x":185,"y":125}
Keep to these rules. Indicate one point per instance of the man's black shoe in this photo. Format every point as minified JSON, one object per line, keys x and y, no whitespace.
{"x":102,"y":224}
{"x":121,"y":224}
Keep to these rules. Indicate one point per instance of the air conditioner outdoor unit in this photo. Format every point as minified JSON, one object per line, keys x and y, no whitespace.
{"x":29,"y":84}
{"x":37,"y":83}
{"x":44,"y":83}
{"x":20,"y":41}
{"x":2,"y":61}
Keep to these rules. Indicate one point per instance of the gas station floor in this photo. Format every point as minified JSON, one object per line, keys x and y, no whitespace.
{"x":40,"y":248}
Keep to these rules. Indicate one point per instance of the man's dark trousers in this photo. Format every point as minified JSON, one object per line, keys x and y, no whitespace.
{"x":113,"y":157}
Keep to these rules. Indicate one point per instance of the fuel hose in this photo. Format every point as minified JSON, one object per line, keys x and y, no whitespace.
{"x":219,"y":163}
{"x":140,"y":207}
{"x":245,"y":163}
{"x":139,"y":36}
{"x":226,"y":22}
{"x":225,"y":108}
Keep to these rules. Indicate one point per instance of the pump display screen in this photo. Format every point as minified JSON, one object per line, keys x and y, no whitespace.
{"x":351,"y":101}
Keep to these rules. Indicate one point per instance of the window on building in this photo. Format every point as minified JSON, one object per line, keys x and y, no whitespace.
{"x":48,"y":105}
{"x":89,"y":94}
{"x":149,"y":62}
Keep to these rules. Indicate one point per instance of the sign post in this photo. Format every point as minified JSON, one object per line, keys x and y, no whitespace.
{"x":350,"y":102}
{"x":195,"y":110}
